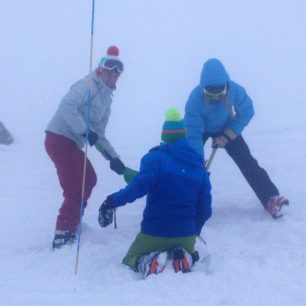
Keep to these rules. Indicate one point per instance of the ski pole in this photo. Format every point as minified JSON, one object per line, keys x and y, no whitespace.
{"x":86,"y":143}
{"x":211,"y":157}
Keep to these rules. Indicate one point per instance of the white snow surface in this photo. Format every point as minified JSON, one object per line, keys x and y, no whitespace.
{"x":250,"y":259}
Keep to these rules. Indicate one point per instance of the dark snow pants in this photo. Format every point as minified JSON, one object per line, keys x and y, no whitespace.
{"x":256,"y":176}
{"x":69,"y":162}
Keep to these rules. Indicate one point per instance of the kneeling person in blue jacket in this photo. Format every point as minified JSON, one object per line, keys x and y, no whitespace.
{"x":177,"y":206}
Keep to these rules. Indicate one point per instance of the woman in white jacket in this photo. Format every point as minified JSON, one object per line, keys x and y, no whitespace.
{"x":66,"y":136}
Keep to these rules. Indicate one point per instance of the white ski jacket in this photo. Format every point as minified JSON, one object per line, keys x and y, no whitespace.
{"x":70,"y":118}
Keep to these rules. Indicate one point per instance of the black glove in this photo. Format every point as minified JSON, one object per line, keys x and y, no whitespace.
{"x":117,"y":165}
{"x":106,"y":212}
{"x":92,"y":137}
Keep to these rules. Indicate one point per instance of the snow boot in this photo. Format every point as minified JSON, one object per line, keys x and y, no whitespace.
{"x":275,"y":205}
{"x":182,"y":260}
{"x":152,"y":263}
{"x":62,"y":238}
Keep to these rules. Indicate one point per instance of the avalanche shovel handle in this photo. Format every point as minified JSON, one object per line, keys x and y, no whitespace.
{"x":211,"y":157}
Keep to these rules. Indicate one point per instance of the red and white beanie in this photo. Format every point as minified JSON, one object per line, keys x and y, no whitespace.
{"x":111,"y":54}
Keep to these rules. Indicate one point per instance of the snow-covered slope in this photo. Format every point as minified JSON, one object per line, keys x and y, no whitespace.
{"x":252,"y":259}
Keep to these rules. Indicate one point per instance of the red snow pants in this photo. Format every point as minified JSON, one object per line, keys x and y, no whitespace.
{"x":69,"y":163}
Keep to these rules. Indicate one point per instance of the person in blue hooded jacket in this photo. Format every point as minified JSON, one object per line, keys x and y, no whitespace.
{"x":177,"y":206}
{"x":220,"y":109}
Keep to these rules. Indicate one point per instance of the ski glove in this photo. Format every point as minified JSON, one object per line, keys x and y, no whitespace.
{"x":106,"y":212}
{"x":221,"y":140}
{"x":92,"y":137}
{"x":129,"y":175}
{"x":117,"y":165}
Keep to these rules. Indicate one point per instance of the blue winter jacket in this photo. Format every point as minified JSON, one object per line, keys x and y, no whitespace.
{"x":178,"y":191}
{"x":234,"y":112}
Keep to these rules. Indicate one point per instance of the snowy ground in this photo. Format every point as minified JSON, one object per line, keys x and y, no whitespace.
{"x":252,"y":259}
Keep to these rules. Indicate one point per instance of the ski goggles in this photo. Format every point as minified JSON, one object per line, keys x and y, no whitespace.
{"x":215,"y":93}
{"x":111,"y":64}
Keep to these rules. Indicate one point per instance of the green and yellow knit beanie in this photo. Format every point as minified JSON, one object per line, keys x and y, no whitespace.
{"x":174,"y":126}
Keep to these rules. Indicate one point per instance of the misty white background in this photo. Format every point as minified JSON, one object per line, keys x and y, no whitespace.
{"x":44,"y":48}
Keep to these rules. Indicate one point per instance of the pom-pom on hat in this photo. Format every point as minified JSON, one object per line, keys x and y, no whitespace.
{"x":173,"y":127}
{"x":113,"y":51}
{"x":111,"y":60}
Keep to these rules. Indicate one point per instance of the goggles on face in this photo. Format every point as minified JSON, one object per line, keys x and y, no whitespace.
{"x":215,"y":93}
{"x":111,"y":64}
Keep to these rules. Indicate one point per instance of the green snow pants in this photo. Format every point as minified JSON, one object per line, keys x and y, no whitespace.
{"x":145,"y":244}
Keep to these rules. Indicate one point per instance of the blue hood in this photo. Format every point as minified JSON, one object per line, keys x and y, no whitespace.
{"x":213,"y":73}
{"x":181,"y":150}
